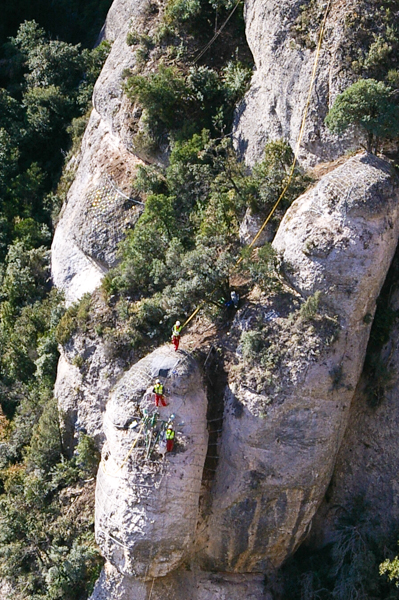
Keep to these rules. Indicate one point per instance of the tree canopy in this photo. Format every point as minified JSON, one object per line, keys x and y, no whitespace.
{"x":369,"y":104}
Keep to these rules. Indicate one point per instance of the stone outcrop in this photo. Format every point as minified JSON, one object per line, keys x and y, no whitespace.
{"x":274,"y":105}
{"x":147,"y":506}
{"x":366,"y":467}
{"x":97,"y":214}
{"x":82,"y":391}
{"x":183,"y":584}
{"x":163,"y":532}
{"x":100,"y":205}
{"x":278,"y":448}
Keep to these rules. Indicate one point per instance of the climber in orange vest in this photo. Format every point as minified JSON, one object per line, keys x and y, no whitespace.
{"x":176,"y":334}
{"x":158,"y":391}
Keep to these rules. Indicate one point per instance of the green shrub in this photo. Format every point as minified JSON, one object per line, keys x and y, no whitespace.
{"x":368,"y":104}
{"x":161,"y":94}
{"x":132,"y":38}
{"x":181,"y":11}
{"x":253,"y":342}
{"x":261,"y":266}
{"x":75,"y":318}
{"x":87,"y":457}
{"x":46,"y":444}
{"x":310,"y":307}
{"x":181,"y":104}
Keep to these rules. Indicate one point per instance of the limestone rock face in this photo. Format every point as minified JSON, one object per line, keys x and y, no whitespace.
{"x":82,"y":392}
{"x":112,"y":585}
{"x":273,"y":107}
{"x":147,"y":506}
{"x":97,"y":213}
{"x":100,"y":207}
{"x":278,"y":448}
{"x":366,"y":466}
{"x":120,"y":16}
{"x":250,"y":226}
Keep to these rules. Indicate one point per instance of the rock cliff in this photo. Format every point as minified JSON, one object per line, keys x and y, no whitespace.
{"x":166,"y":530}
{"x":278,"y":447}
{"x":282,"y":36}
{"x":100,"y":207}
{"x":365,"y":469}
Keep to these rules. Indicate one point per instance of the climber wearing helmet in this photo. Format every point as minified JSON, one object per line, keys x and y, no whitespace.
{"x":176,"y":334}
{"x":170,"y":438}
{"x":158,"y":391}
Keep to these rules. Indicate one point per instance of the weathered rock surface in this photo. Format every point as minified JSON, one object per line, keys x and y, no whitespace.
{"x":100,"y":208}
{"x":366,"y":466}
{"x":147,"y":507}
{"x":82,"y":392}
{"x":121,"y":15}
{"x":250,"y":226}
{"x":274,"y":105}
{"x":277,"y":453}
{"x":97,"y":213}
{"x":182,"y":584}
{"x":278,"y":445}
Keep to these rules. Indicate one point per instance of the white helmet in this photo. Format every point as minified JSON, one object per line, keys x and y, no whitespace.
{"x":157,"y":381}
{"x":178,"y":323}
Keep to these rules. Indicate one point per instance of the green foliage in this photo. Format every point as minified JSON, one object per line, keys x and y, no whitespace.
{"x":25,"y":277}
{"x":390,"y":568}
{"x":181,"y":11}
{"x":368,"y":104}
{"x":261,"y":265}
{"x":46,"y":445}
{"x":87,"y":457}
{"x":309,"y":308}
{"x":46,"y":551}
{"x":271,"y":176}
{"x":51,"y":85}
{"x":252,"y":342}
{"x":74,"y":318}
{"x":160,"y":94}
{"x":345,"y":568}
{"x":372,"y":38}
{"x":181,"y":104}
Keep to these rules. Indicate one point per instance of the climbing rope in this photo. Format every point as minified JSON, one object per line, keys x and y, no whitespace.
{"x":295,"y":159}
{"x":209,"y":44}
{"x":301,"y":131}
{"x":281,"y":196}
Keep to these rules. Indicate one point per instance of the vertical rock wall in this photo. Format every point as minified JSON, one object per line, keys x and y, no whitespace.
{"x":100,"y":207}
{"x":147,"y":505}
{"x":278,"y":450}
{"x":284,"y":58}
{"x":366,"y":468}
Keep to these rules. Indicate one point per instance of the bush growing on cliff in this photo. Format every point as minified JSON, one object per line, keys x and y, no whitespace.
{"x":346,"y":568}
{"x":181,"y":104}
{"x":369,"y":104}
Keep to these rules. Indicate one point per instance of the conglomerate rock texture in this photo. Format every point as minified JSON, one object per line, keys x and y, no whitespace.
{"x":100,"y":206}
{"x":147,"y":504}
{"x":282,"y":35}
{"x":165,"y":532}
{"x":278,"y":447}
{"x":98,"y":212}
